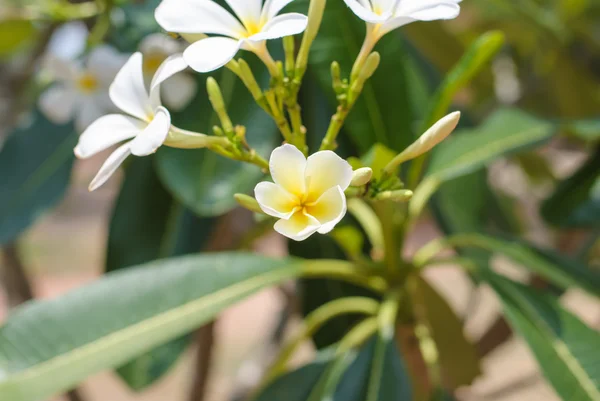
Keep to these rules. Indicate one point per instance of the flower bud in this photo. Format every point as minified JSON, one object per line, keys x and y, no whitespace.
{"x":361,"y":177}
{"x":216,"y":99}
{"x":182,"y":139}
{"x":401,"y":195}
{"x":315,"y":16}
{"x":248,"y":202}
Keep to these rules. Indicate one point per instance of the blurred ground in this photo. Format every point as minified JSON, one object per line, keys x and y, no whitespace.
{"x":66,"y":249}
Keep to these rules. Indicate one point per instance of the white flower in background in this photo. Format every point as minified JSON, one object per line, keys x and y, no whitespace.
{"x":308,"y":194}
{"x":179,"y":90}
{"x":384,"y":16}
{"x":254,"y":24}
{"x":80,"y":90}
{"x":145,"y":124}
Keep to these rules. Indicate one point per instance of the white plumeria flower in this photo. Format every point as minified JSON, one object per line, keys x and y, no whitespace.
{"x":384,"y":16}
{"x":145,"y":124}
{"x":81,"y":89}
{"x":249,"y":31}
{"x":308,"y":194}
{"x":179,"y":90}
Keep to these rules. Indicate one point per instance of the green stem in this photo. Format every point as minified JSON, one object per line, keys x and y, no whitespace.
{"x":337,"y":269}
{"x":366,"y":49}
{"x":425,"y":255}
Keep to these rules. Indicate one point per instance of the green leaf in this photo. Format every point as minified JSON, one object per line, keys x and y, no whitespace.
{"x":576,"y":201}
{"x":122,"y":316}
{"x":506,"y":131}
{"x":565,"y":348}
{"x":394,"y":383}
{"x":14,"y":34}
{"x":556,"y":268}
{"x":458,"y":356}
{"x":36,"y":160}
{"x":475,"y":59}
{"x":147,"y":224}
{"x":384,"y":112}
{"x":204,"y":181}
{"x":588,"y":130}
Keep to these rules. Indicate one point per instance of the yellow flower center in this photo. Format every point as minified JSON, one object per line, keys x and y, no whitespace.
{"x":152,"y":62}
{"x":252,"y":28}
{"x":87,"y":83}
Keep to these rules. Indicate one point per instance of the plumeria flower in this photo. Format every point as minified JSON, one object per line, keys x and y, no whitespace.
{"x":144,"y":125}
{"x":81,"y":89}
{"x":384,"y":16}
{"x":255,"y":23}
{"x":178,"y":91}
{"x":308,"y":194}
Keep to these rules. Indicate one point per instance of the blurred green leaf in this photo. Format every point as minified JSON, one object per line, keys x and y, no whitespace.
{"x":36,"y":162}
{"x":588,"y":130}
{"x":147,"y":224}
{"x":458,"y":356}
{"x":394,"y":383}
{"x":204,"y":181}
{"x":576,"y":201}
{"x":122,"y":316}
{"x":565,"y":348}
{"x":506,"y":131}
{"x":14,"y":34}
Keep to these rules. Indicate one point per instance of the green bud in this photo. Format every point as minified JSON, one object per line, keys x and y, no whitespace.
{"x":216,"y":99}
{"x":289,"y":47}
{"x":400,"y":195}
{"x":182,"y":139}
{"x":361,"y":177}
{"x":315,"y":16}
{"x":336,"y":75}
{"x":249,"y":80}
{"x":248,"y":202}
{"x":370,"y":66}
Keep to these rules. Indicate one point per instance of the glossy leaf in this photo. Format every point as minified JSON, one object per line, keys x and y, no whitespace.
{"x":298,"y":385}
{"x":457,"y":355}
{"x":36,"y":161}
{"x":505,"y":132}
{"x":122,"y":316}
{"x":147,"y":224}
{"x":565,"y":348}
{"x":576,"y":201}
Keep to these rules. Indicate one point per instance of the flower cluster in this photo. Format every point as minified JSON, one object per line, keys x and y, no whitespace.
{"x":308,"y":194}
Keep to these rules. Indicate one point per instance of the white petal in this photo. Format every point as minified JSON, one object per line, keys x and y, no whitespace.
{"x":68,"y":41}
{"x":159,"y":43}
{"x":364,"y":13}
{"x":104,"y":62}
{"x":275,"y":201}
{"x":61,"y":69}
{"x":89,"y":110}
{"x":211,"y":53}
{"x":287,"y":166}
{"x":330,"y":209}
{"x":128,"y":92}
{"x":282,"y":25}
{"x":299,"y":227}
{"x":57,"y":103}
{"x":248,"y":11}
{"x":179,"y":91}
{"x":154,"y":135}
{"x":110,"y":166}
{"x":272,"y":8}
{"x":106,"y":132}
{"x":326,"y":170}
{"x":394,"y":23}
{"x":171,"y":66}
{"x":197,"y":16}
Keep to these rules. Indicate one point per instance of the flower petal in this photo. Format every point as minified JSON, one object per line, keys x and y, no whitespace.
{"x":61,"y":69}
{"x":287,"y":165}
{"x":58,"y":103}
{"x":211,"y":53}
{"x":106,"y":132}
{"x":282,"y":25}
{"x":197,"y":16}
{"x":68,"y":40}
{"x":128,"y":92}
{"x":325,"y":170}
{"x":329,"y":210}
{"x":159,"y":43}
{"x":154,"y":135}
{"x":275,"y":201}
{"x":110,"y":166}
{"x":90,"y":109}
{"x":271,"y":8}
{"x":171,"y":66}
{"x":248,"y":11}
{"x":364,"y":13}
{"x":299,"y":227}
{"x":179,"y":91}
{"x":104,"y":62}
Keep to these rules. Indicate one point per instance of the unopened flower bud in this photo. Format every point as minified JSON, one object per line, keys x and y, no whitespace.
{"x":401,"y":195}
{"x":361,"y":177}
{"x":248,"y":202}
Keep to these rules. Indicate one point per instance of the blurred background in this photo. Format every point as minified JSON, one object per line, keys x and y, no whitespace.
{"x":55,"y":235}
